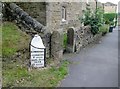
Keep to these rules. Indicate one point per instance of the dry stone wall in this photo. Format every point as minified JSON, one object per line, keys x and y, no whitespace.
{"x":36,"y":10}
{"x":79,"y":38}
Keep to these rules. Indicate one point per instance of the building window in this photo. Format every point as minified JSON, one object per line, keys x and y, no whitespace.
{"x":63,"y":13}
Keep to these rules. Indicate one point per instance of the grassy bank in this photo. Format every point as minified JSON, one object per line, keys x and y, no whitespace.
{"x":16,"y":73}
{"x":13,"y":39}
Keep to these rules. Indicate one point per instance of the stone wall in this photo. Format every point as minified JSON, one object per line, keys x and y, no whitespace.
{"x":87,"y":37}
{"x":54,"y":15}
{"x":36,"y":10}
{"x":80,"y":38}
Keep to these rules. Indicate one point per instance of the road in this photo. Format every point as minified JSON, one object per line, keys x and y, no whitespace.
{"x":95,"y":66}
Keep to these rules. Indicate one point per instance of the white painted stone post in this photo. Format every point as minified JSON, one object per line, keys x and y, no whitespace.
{"x":38,"y":52}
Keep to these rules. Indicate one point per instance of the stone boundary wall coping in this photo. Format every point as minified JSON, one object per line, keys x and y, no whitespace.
{"x":31,"y":22}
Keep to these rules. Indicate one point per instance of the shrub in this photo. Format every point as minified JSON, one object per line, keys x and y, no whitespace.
{"x":112,"y":23}
{"x":94,"y":19}
{"x":104,"y":29}
{"x":86,"y":17}
{"x":110,"y":16}
{"x":107,"y":21}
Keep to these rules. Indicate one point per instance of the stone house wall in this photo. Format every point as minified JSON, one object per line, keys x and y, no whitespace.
{"x":101,"y":5}
{"x":50,"y":13}
{"x":110,"y":7}
{"x":92,"y":5}
{"x":54,"y":15}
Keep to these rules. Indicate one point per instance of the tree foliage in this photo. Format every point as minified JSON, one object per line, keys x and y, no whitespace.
{"x":94,"y":19}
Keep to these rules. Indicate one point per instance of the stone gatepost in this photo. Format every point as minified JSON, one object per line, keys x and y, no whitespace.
{"x":71,"y":40}
{"x":57,"y":45}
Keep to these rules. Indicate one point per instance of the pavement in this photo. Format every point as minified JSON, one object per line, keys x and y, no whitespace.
{"x":95,"y":66}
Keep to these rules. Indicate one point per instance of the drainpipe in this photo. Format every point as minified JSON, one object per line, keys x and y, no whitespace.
{"x":103,"y":7}
{"x":96,"y":4}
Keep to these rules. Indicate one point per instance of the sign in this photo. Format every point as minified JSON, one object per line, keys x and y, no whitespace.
{"x":37,"y":52}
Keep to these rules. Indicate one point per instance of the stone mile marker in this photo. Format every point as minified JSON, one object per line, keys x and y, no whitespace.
{"x":38,"y":52}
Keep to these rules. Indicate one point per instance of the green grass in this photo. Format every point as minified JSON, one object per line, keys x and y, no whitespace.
{"x":65,"y":41}
{"x":13,"y":39}
{"x":16,"y":74}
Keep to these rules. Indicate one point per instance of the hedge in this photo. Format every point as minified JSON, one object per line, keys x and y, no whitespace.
{"x":109,"y":17}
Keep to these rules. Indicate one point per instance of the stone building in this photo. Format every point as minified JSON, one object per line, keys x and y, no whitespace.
{"x":57,"y":15}
{"x":110,"y":7}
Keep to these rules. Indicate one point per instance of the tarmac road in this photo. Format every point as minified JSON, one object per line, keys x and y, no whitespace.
{"x":95,"y":66}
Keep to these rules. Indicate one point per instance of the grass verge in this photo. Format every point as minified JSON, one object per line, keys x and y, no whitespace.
{"x":16,"y":74}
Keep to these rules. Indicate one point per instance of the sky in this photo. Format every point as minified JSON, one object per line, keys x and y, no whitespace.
{"x":113,"y":1}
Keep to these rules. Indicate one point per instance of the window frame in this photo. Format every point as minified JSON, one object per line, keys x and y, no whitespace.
{"x":64,"y":14}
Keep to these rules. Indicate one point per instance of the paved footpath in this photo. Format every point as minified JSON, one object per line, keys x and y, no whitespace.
{"x":95,"y":66}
